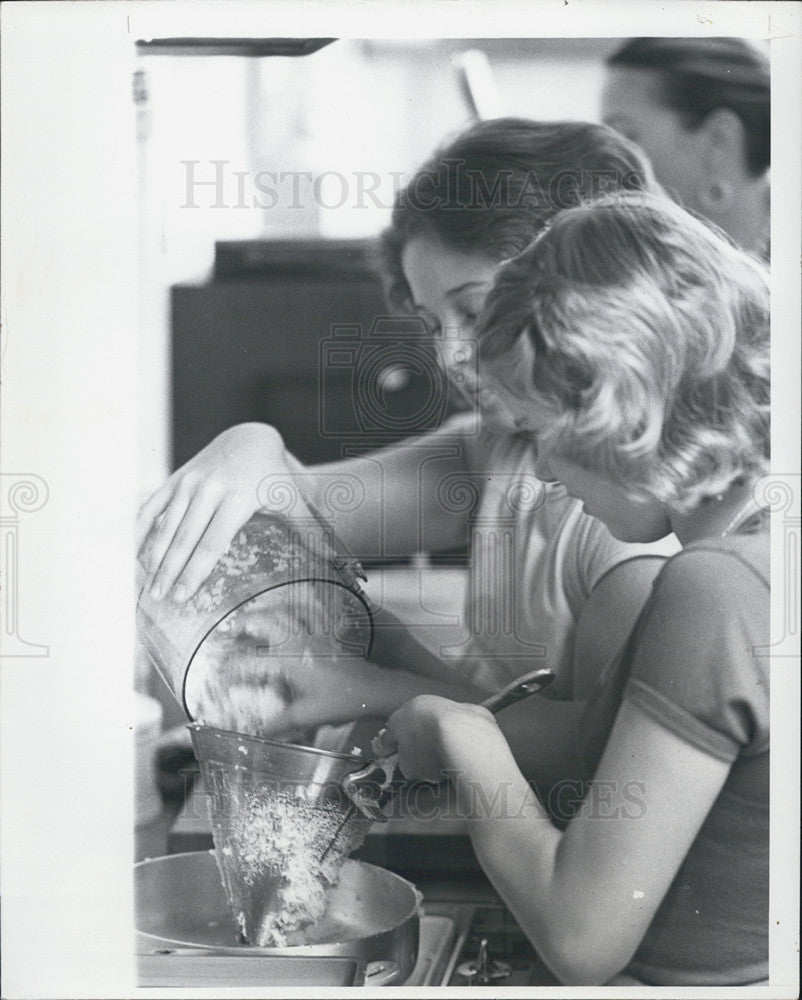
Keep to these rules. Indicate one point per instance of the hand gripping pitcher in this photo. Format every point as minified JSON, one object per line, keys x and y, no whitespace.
{"x":283,"y":597}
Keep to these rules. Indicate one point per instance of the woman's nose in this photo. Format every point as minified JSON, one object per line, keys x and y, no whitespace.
{"x":454,"y":326}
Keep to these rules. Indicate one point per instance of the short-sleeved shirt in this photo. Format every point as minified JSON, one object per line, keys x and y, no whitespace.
{"x":694,"y":665}
{"x":535,"y":556}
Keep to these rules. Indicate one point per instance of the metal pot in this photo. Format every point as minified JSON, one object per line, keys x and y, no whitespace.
{"x":372,"y":915}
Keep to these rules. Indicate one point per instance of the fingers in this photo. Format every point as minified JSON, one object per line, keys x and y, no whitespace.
{"x":199,"y":543}
{"x":383,"y":744}
{"x":193,"y":531}
{"x":174,"y":541}
{"x":163,"y":530}
{"x":414,"y":732}
{"x":153,"y":507}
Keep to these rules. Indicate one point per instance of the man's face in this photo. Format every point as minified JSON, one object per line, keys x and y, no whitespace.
{"x":631,"y":105}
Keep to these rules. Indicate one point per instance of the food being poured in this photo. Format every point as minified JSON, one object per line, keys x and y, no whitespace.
{"x":271,"y":840}
{"x":242,"y":675}
{"x":282,"y":599}
{"x":282,"y":831}
{"x":285,"y":838}
{"x":280,"y":596}
{"x":277,"y":843}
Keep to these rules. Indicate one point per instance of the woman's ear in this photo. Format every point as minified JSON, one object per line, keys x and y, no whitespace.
{"x":725,"y":135}
{"x":723,"y":153}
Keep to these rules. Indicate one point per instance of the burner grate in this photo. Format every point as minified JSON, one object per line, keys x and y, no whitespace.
{"x":494,"y":934}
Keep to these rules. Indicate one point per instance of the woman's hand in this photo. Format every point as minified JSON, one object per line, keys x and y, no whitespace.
{"x":281,"y":695}
{"x":188,"y":524}
{"x":311,"y":691}
{"x":299,"y":692}
{"x":433,"y":735}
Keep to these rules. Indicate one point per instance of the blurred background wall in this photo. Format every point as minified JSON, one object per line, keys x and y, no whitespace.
{"x":356,"y":117}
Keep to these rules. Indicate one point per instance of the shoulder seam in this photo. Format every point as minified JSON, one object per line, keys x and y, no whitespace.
{"x":724,"y":553}
{"x":629,"y":559}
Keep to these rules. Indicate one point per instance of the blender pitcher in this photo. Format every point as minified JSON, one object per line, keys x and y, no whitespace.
{"x":284,"y":595}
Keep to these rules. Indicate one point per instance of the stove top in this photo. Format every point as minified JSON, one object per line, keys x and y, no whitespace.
{"x":461,"y":944}
{"x":490,"y":948}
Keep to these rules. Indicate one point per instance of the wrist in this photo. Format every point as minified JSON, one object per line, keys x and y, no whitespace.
{"x":259,"y":435}
{"x":468,"y":742}
{"x":484,"y":774}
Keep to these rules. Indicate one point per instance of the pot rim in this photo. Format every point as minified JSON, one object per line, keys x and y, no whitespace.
{"x":328,"y":948}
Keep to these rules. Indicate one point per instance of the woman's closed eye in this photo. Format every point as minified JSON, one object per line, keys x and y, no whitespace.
{"x":469,"y":306}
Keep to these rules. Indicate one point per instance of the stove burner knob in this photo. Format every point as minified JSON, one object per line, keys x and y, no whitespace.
{"x":484,"y":969}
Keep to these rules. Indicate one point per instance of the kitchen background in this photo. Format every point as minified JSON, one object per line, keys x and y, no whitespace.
{"x":262,"y":180}
{"x":357,"y":116}
{"x":71,"y":398}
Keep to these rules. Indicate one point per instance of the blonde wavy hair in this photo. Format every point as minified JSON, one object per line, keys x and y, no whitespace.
{"x":650,"y":334}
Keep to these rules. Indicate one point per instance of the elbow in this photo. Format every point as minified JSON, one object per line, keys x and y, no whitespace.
{"x":583,"y":957}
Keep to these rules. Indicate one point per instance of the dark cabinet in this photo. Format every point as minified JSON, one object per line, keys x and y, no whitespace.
{"x":298,"y":335}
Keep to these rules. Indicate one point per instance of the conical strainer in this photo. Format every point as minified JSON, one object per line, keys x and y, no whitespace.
{"x":275,"y":810}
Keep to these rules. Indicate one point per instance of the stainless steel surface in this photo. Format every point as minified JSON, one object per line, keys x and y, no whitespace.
{"x":458,"y":914}
{"x":372,"y":915}
{"x":191,"y":968}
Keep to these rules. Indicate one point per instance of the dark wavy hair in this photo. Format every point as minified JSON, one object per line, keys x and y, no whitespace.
{"x":699,"y":75}
{"x":495,"y":186}
{"x":647,"y":339}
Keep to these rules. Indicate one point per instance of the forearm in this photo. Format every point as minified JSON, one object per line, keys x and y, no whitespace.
{"x":385,"y":690}
{"x":393,"y":507}
{"x":395,"y":648}
{"x":358,"y":525}
{"x":547,"y":878}
{"x":555,"y":895}
{"x":514,"y":841}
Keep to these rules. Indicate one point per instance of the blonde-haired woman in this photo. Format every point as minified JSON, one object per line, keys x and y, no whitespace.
{"x":640,"y":339}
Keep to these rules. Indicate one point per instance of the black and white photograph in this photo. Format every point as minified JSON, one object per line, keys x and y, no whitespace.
{"x":400,"y":498}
